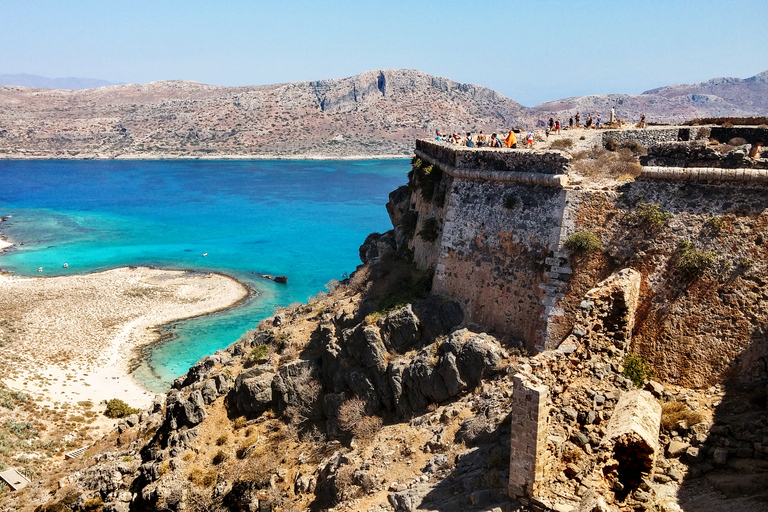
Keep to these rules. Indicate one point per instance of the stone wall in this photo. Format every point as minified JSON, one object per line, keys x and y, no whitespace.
{"x":530,"y":415}
{"x":659,"y":134}
{"x":501,"y":254}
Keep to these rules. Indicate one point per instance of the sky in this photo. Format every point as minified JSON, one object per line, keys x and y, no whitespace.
{"x":532,"y":51}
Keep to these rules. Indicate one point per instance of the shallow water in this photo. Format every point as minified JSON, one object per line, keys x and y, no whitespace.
{"x":302,"y":219}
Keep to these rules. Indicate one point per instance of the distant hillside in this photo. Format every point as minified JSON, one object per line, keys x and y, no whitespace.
{"x":719,"y":97}
{"x":41,"y":82}
{"x":371,"y":114}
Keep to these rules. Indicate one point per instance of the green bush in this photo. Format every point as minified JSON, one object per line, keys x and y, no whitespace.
{"x":428,"y":231}
{"x":692,"y":261}
{"x":116,"y":408}
{"x":636,"y":369}
{"x":424,"y":177}
{"x":716,"y":224}
{"x":651,"y":216}
{"x":256,"y":355}
{"x":583,"y":242}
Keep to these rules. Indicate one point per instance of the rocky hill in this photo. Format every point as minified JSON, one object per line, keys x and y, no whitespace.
{"x":371,"y":114}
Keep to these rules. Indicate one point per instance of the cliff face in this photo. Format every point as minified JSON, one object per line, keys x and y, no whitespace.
{"x":374,"y":113}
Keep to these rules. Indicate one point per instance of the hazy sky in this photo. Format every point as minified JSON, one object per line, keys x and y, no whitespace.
{"x":531,"y":51}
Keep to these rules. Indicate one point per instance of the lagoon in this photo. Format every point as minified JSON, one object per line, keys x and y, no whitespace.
{"x":302,"y":219}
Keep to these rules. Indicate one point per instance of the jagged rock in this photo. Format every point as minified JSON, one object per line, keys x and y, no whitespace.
{"x":720,"y":455}
{"x":399,"y":202}
{"x":400,"y":329}
{"x":209,"y":392}
{"x":117,"y":506}
{"x":197,"y":372}
{"x":289,"y":382}
{"x":405,"y":501}
{"x":180,"y":439}
{"x":365,"y":345}
{"x":181,"y":411}
{"x":377,"y":246}
{"x":252,"y":391}
{"x":437,"y":316}
{"x":436,"y":463}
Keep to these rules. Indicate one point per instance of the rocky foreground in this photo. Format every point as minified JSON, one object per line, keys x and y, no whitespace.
{"x":352,"y":403}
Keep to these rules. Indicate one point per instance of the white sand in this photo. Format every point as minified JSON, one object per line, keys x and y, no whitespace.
{"x":70,"y":339}
{"x":4,"y":244}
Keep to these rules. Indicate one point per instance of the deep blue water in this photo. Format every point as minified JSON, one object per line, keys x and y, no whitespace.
{"x":302,"y":219}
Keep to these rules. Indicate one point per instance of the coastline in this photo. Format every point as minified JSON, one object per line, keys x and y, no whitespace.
{"x":71,"y":339}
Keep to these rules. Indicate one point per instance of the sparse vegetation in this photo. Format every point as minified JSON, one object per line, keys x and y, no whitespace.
{"x":674,"y":412}
{"x":116,"y":408}
{"x":601,"y":163}
{"x":583,"y":242}
{"x":716,"y":224}
{"x":429,"y":230}
{"x":636,"y":369}
{"x":510,"y":202}
{"x":256,"y":355}
{"x":693,"y":262}
{"x":562,"y":144}
{"x":611,"y":144}
{"x":202,"y":477}
{"x":650,"y":216}
{"x":424,"y":177}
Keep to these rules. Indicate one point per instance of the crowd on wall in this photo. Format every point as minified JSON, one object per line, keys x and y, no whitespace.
{"x":510,"y":141}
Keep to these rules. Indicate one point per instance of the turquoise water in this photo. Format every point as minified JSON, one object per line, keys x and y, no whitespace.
{"x":302,"y":219}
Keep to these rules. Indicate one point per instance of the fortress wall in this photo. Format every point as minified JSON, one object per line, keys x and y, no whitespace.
{"x":508,"y":268}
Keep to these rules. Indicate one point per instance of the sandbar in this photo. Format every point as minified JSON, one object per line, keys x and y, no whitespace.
{"x":70,"y":339}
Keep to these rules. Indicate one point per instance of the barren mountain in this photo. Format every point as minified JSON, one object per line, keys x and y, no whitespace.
{"x":373,"y":113}
{"x":42,"y":82}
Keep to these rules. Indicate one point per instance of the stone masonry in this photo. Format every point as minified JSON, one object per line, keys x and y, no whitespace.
{"x":530,"y":413}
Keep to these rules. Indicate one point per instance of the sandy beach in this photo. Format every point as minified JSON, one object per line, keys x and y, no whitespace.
{"x":70,"y":339}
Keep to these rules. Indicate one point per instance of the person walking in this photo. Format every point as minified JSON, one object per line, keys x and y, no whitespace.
{"x":529,"y":139}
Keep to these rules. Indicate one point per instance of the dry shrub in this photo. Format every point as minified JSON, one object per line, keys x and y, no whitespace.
{"x":239,"y":422}
{"x":220,"y":457}
{"x":222,"y":439}
{"x":202,"y":477}
{"x":259,"y":468}
{"x":737,"y":141}
{"x":572,"y":453}
{"x":367,"y":427}
{"x":350,"y":412}
{"x":673,"y":412}
{"x":309,"y":391}
{"x":188,"y":456}
{"x":600,"y":163}
{"x":164,"y":468}
{"x":562,"y":144}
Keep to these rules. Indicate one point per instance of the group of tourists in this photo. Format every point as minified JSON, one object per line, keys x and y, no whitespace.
{"x":481,"y":140}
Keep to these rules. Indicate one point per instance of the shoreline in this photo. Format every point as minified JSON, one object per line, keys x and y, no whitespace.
{"x":72,"y":339}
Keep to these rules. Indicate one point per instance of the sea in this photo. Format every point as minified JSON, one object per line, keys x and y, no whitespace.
{"x":302,"y":219}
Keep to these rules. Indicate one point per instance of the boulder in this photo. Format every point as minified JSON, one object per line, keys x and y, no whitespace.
{"x":365,"y":346}
{"x":378,"y":246}
{"x":182,"y":411}
{"x":252,"y":391}
{"x":400,"y":329}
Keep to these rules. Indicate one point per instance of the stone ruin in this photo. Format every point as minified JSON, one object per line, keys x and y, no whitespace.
{"x":583,"y":437}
